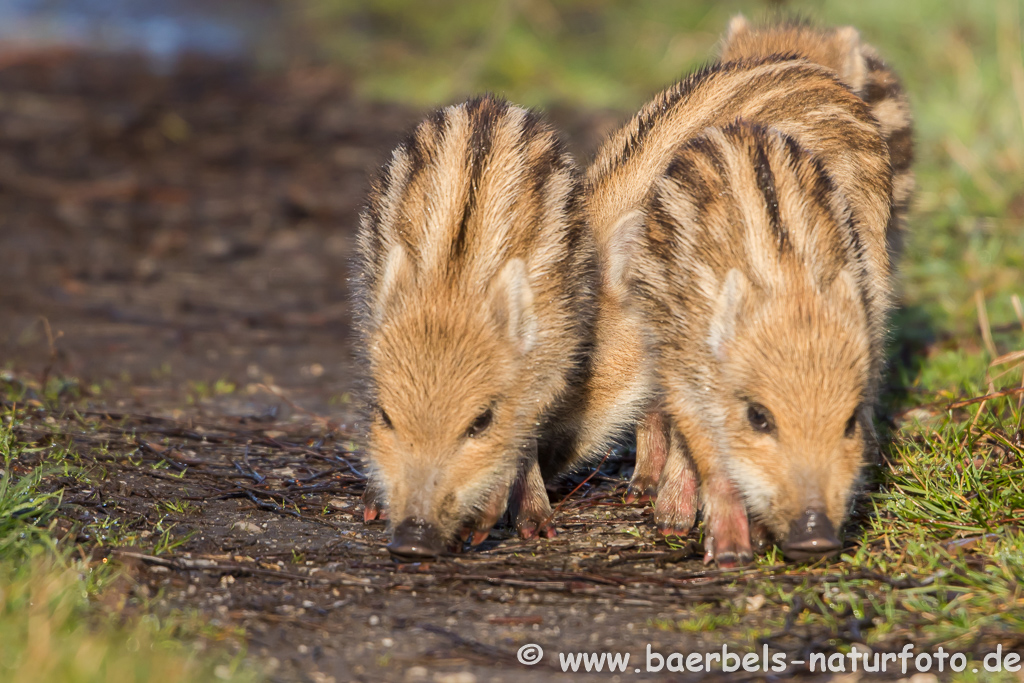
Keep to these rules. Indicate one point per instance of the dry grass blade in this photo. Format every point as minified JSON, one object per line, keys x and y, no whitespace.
{"x":1008,"y":358}
{"x":986,"y":397}
{"x":983,"y":323}
{"x":1018,"y":309}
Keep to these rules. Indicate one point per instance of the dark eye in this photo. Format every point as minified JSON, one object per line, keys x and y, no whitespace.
{"x":384,"y":417}
{"x":851,"y":427}
{"x":480,"y":424}
{"x":760,"y":418}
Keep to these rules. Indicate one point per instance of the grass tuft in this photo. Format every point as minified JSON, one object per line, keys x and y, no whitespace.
{"x":60,"y":619}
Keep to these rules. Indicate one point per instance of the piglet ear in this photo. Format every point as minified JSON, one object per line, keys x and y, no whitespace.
{"x":726,"y":310}
{"x":511,"y":302}
{"x":738,"y":26}
{"x":845,"y":286}
{"x":622,"y":251}
{"x":395,"y":275}
{"x":852,"y":64}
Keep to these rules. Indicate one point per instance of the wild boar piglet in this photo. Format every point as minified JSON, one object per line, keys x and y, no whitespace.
{"x":475,"y":312}
{"x":832,"y":97}
{"x":765,"y":315}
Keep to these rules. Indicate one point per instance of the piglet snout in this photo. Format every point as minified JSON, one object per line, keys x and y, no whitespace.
{"x":811,"y":537}
{"x":415,"y":539}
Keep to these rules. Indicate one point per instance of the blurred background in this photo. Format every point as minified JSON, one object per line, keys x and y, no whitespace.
{"x":180,"y":180}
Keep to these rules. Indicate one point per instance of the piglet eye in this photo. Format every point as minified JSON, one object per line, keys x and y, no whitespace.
{"x":851,"y":427}
{"x":760,"y":418}
{"x":480,"y":424}
{"x":384,"y":417}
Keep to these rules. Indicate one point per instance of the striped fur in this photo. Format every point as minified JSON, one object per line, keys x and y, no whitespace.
{"x":800,"y":99}
{"x":475,"y":309}
{"x":861,"y":68}
{"x":759,"y":289}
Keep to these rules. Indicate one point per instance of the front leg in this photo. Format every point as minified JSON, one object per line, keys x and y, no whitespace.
{"x":652,"y":446}
{"x":727,"y":529}
{"x":727,"y":532}
{"x":526,"y":501}
{"x":531,"y":510}
{"x":676,"y":507}
{"x":492,"y":511}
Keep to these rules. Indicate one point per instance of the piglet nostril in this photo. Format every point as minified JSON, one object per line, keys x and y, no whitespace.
{"x":415,"y":539}
{"x":811,"y":536}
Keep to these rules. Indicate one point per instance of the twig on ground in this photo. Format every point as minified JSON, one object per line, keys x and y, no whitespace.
{"x":578,"y":487}
{"x":206,"y":565}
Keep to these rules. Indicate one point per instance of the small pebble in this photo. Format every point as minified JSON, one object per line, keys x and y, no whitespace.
{"x":458,"y":677}
{"x":416,"y":674}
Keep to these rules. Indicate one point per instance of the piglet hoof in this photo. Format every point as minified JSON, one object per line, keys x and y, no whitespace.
{"x":372,"y":512}
{"x":479,"y":536}
{"x":730,"y":560}
{"x":373,"y":506}
{"x":530,"y":529}
{"x":669,"y":530}
{"x":760,"y":538}
{"x":728,"y":552}
{"x":642,"y":491}
{"x":675,"y":520}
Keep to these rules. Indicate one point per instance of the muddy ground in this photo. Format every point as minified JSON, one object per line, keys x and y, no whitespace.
{"x":178,"y":244}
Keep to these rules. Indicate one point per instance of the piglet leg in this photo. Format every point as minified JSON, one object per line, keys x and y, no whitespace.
{"x":651,"y":452}
{"x":727,"y":532}
{"x":489,"y":516}
{"x":527,"y":502}
{"x":531,"y":510}
{"x":676,"y":507}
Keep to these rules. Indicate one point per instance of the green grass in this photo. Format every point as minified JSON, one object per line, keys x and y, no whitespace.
{"x":61,"y":616}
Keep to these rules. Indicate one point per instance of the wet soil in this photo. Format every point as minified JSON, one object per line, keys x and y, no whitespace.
{"x":179,"y":244}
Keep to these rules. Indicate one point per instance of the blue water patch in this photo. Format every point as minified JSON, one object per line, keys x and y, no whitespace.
{"x":162,"y":28}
